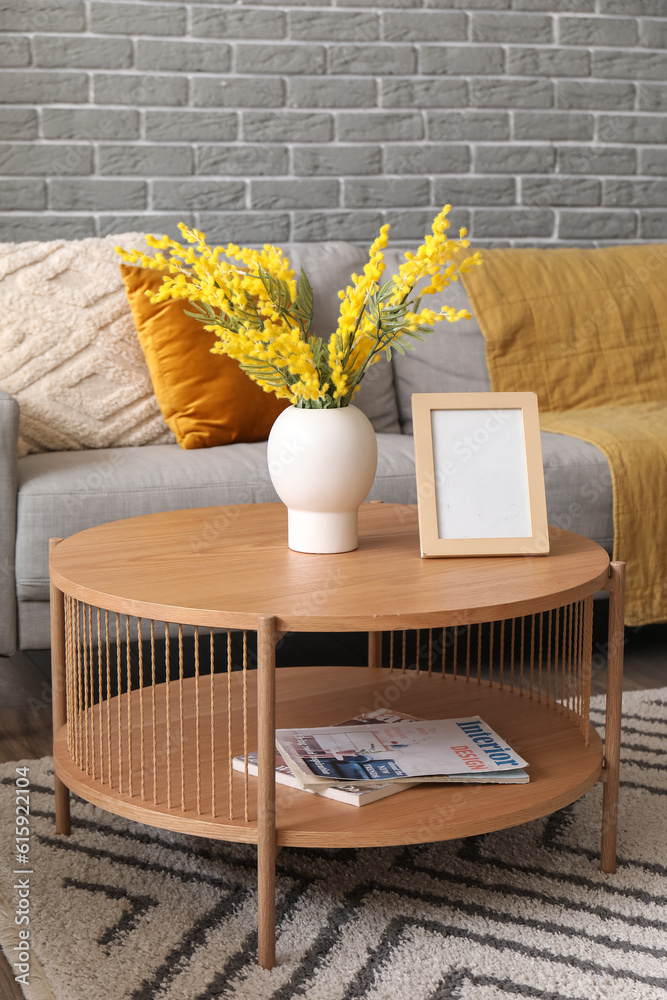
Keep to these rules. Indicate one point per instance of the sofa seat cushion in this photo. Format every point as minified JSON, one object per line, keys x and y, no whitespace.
{"x":64,"y":492}
{"x":61,"y":493}
{"x":578,"y":486}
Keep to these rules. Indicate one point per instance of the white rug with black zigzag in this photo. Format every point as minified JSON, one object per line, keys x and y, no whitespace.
{"x":120,"y":911}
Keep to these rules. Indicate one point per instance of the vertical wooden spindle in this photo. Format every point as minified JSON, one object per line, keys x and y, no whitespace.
{"x":502,"y":655}
{"x":153,"y":711}
{"x":213,"y":721}
{"x":120,"y":704}
{"x":142,"y":727}
{"x":569,"y":690}
{"x":532,"y":655}
{"x":79,"y":686}
{"x":563,"y":662}
{"x":100,"y":700}
{"x":91,"y":667}
{"x":197,"y":725}
{"x":84,"y":665}
{"x":230,"y":771}
{"x":491,"y":631}
{"x":539,"y":658}
{"x":108,"y":666}
{"x":580,"y":660}
{"x":556,"y":651}
{"x":588,"y":663}
{"x":68,"y":686}
{"x":167,"y":693}
{"x":245,"y":724}
{"x":455,"y":652}
{"x":130,"y":742}
{"x":549,"y":642}
{"x":180,"y":713}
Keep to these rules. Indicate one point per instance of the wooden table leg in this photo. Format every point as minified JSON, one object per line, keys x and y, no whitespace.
{"x":612,"y":735}
{"x":59,"y":694}
{"x":375,"y":649}
{"x":266,"y":802}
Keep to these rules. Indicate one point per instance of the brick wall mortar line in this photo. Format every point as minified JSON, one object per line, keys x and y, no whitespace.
{"x":374,"y":43}
{"x":517,"y":78}
{"x":596,"y":145}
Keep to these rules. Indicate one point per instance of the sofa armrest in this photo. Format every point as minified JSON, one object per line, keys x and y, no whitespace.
{"x":9,"y":434}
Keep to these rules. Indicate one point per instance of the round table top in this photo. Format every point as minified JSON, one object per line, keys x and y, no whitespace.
{"x":224,"y":567}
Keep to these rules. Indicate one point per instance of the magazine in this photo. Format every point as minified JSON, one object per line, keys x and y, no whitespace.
{"x":349,"y":794}
{"x":411,"y":751}
{"x":360,"y":796}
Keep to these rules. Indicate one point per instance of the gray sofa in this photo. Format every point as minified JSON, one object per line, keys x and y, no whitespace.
{"x":59,"y":493}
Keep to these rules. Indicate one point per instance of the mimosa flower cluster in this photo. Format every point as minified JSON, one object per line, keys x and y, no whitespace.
{"x":262,"y":316}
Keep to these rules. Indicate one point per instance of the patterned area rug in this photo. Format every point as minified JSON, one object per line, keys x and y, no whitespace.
{"x":124,"y":912}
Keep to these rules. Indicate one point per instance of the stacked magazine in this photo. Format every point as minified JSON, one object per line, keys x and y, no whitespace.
{"x":382,"y":752}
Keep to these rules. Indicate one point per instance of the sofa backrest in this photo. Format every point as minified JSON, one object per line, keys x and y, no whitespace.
{"x":329,"y":267}
{"x":451,"y":359}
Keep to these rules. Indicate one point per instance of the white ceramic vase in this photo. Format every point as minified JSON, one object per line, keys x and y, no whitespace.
{"x":322,"y":464}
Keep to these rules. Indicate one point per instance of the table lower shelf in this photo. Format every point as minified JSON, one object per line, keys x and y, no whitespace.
{"x":562,"y":767}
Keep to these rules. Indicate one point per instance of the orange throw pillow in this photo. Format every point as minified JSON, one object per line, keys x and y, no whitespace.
{"x":205,"y":398}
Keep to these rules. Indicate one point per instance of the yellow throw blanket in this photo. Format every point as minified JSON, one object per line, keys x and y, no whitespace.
{"x":587,"y":331}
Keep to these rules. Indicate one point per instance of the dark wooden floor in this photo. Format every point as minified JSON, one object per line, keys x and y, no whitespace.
{"x":25,"y":705}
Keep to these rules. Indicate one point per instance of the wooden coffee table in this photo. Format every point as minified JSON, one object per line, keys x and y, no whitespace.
{"x":147,"y":729}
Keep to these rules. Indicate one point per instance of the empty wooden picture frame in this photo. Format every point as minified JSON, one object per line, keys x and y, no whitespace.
{"x":480,"y":481}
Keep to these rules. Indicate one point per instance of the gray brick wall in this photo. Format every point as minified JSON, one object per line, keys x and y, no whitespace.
{"x":541,"y":122}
